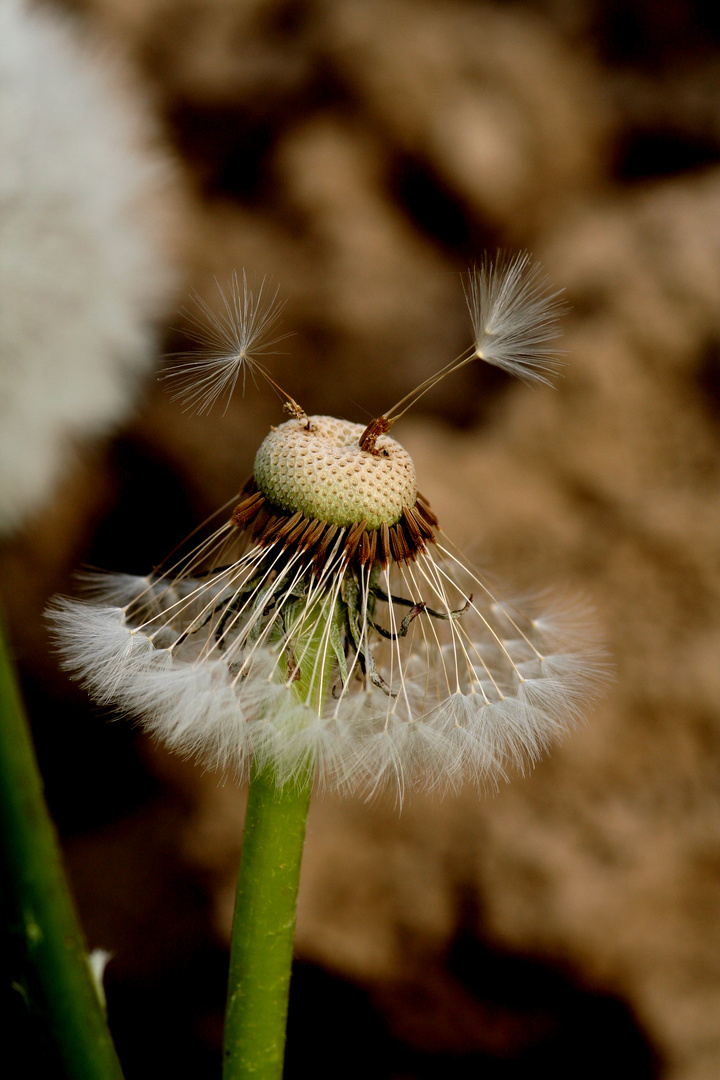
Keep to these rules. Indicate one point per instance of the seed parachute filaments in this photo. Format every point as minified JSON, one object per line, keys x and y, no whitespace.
{"x":328,"y":622}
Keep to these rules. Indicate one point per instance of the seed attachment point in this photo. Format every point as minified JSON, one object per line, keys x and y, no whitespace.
{"x":372,"y":433}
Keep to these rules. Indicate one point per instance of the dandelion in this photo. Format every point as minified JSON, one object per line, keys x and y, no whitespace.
{"x":328,"y":623}
{"x":327,"y":633}
{"x":83,"y":278}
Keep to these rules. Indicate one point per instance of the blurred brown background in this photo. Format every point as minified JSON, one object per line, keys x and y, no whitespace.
{"x":362,"y":154}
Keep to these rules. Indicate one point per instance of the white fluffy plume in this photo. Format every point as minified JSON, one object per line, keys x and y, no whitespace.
{"x":449,"y":685}
{"x":515,"y":317}
{"x":82,"y":275}
{"x":231,"y":342}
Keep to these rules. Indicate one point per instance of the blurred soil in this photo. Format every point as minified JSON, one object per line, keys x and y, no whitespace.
{"x":363,"y":154}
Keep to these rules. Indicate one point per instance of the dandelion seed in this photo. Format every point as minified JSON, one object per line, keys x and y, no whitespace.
{"x":330,"y":623}
{"x":515,"y":317}
{"x":231,"y":340}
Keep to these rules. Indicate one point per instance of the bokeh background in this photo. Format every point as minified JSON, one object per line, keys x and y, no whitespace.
{"x":362,"y":154}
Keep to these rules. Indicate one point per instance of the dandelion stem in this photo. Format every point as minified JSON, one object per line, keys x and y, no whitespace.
{"x":266,"y":901}
{"x":50,"y":962}
{"x":264,"y":927}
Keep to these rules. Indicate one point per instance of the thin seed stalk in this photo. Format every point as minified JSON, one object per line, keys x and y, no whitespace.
{"x":50,"y":954}
{"x":263,"y":930}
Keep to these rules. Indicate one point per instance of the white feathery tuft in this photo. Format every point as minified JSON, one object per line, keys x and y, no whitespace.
{"x":515,"y":317}
{"x":230,"y":340}
{"x":82,"y":274}
{"x":473,"y":689}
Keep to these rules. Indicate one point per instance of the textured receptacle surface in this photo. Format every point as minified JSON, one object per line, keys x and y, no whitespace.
{"x":316,"y":466}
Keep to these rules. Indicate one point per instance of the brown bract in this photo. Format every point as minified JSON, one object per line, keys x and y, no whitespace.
{"x":268,"y":524}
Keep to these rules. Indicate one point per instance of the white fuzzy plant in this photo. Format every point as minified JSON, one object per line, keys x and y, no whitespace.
{"x":82,"y":275}
{"x":333,"y":574}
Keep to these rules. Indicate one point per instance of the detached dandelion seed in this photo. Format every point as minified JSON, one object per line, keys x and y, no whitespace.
{"x":515,"y":317}
{"x":231,"y":340}
{"x":329,"y":625}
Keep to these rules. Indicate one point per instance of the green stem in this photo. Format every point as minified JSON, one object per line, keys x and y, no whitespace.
{"x":43,"y":924}
{"x":266,"y":902}
{"x":264,"y":927}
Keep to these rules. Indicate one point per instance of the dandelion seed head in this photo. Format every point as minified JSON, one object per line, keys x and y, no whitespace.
{"x":330,"y":624}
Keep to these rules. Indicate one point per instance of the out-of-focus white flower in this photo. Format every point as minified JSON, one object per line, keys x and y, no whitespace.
{"x":329,"y":622}
{"x":82,"y":273}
